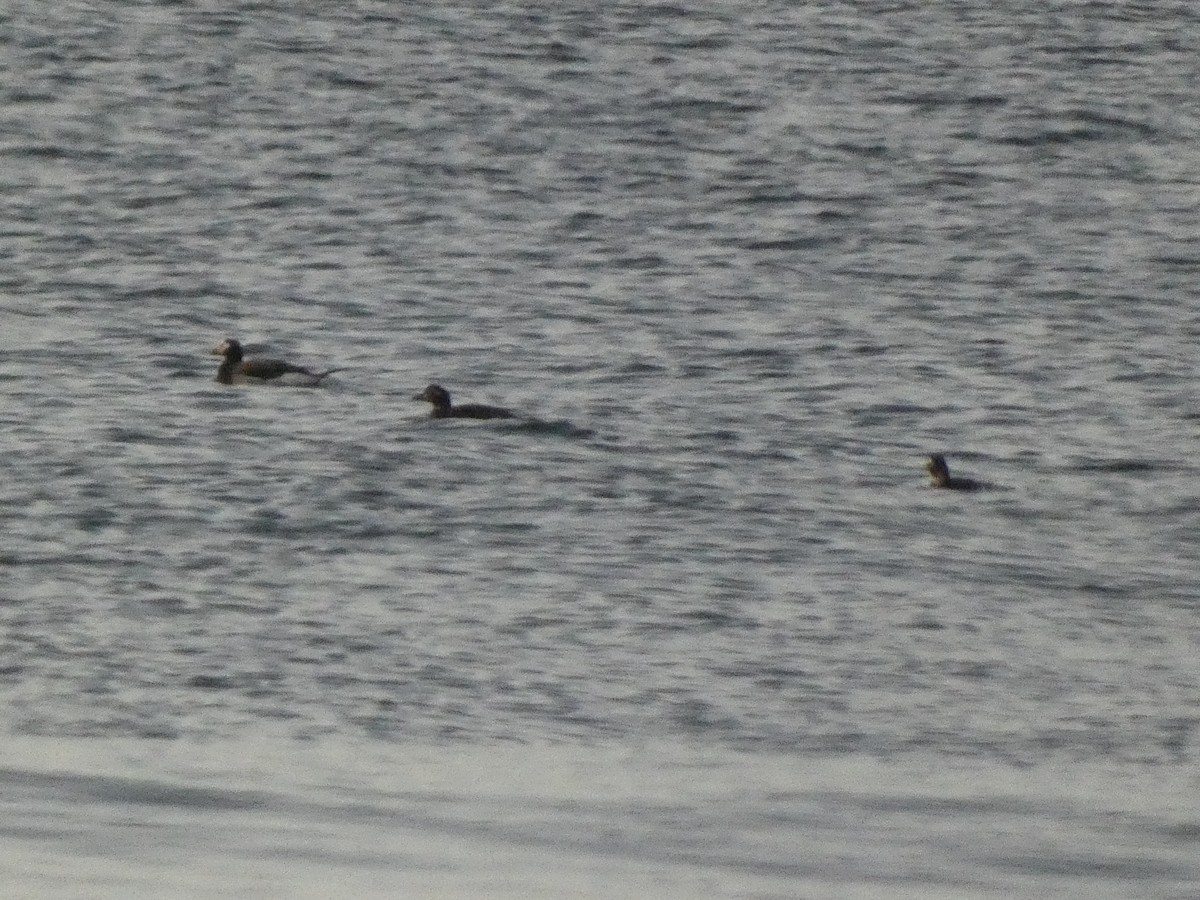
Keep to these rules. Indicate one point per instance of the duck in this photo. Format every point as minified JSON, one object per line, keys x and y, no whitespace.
{"x":940,"y":477}
{"x":443,"y":409}
{"x":236,"y":369}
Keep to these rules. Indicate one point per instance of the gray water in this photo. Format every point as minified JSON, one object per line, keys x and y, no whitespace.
{"x":692,"y":624}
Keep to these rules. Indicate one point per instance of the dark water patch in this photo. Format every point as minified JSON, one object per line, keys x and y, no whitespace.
{"x":1066,"y":865}
{"x":318,"y":265}
{"x":805,"y":242}
{"x":1188,"y":263}
{"x":986,"y":101}
{"x":705,"y":106}
{"x":584,"y":219}
{"x":767,"y":675}
{"x":54,"y":152}
{"x":699,"y":370}
{"x":146,"y":201}
{"x":213,"y":397}
{"x":514,"y":528}
{"x":834,"y":215}
{"x":701,"y":620}
{"x":227,"y":604}
{"x":212,"y":23}
{"x":579,"y":316}
{"x":562,"y":53}
{"x":317,"y":175}
{"x":128,"y":435}
{"x":19,"y":95}
{"x":1184,"y":831}
{"x":716,"y":436}
{"x":445,"y":676}
{"x":777,"y":358}
{"x":214,"y":682}
{"x":697,"y":715}
{"x":973,"y":670}
{"x":1052,"y":136}
{"x":636,"y":367}
{"x":882,"y":411}
{"x":145,"y":792}
{"x":869,"y":349}
{"x":527,"y":623}
{"x":645,"y":262}
{"x":292,"y":44}
{"x":953,"y":183}
{"x":924,"y":101}
{"x":285,"y":528}
{"x":276,"y":202}
{"x":167,"y":604}
{"x":160,"y":292}
{"x":150,"y":793}
{"x":1127,"y":466}
{"x":354,"y":82}
{"x":1115,"y":125}
{"x":867,"y":149}
{"x":99,"y":560}
{"x":1111,"y":590}
{"x":779,"y":197}
{"x":924,"y":804}
{"x":558,"y":428}
{"x":96,"y":519}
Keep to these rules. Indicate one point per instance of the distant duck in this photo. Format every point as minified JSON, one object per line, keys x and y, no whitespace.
{"x":940,"y":477}
{"x":443,"y":409}
{"x":235,"y":369}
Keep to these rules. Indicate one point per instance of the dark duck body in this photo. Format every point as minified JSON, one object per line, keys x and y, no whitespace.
{"x":444,"y":409}
{"x":236,"y":369}
{"x":940,"y":477}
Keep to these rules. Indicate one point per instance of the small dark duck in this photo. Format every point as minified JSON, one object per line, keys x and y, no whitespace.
{"x":235,"y":369}
{"x":940,"y":477}
{"x":444,"y":409}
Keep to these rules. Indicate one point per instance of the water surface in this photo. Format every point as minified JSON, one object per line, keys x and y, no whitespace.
{"x":692,"y":625}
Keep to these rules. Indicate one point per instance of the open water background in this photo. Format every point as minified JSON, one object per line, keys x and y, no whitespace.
{"x":692,"y":626}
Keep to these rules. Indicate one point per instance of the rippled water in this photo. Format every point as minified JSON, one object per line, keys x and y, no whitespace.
{"x":739,"y":267}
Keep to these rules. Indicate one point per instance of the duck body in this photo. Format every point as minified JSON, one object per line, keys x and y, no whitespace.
{"x":444,"y":409}
{"x":940,"y":477}
{"x":236,"y":369}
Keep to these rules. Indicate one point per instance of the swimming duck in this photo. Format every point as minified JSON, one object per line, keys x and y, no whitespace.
{"x":235,"y":369}
{"x":442,"y":408}
{"x":940,"y":477}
